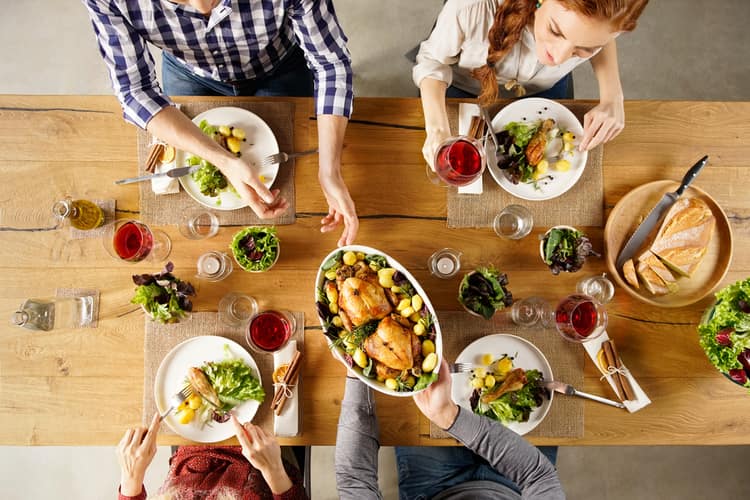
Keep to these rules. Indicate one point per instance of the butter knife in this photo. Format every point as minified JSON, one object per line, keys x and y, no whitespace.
{"x":654,"y":216}
{"x":563,"y":388}
{"x":175,"y":172}
{"x":490,"y":132}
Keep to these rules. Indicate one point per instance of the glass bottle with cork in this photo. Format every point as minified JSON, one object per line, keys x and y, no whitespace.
{"x":53,"y":313}
{"x":82,"y":214}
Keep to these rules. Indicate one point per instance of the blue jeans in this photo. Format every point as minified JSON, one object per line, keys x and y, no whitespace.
{"x":425,"y":471}
{"x":291,"y":77}
{"x":563,"y":89}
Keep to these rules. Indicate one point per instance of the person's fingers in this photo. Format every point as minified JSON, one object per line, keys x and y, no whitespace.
{"x":126,"y":438}
{"x":153,"y":430}
{"x":614,"y":132}
{"x":589,"y":133}
{"x":241,"y":433}
{"x":252,"y":430}
{"x":138,"y":436}
{"x":351,"y":226}
{"x":263,"y":192}
{"x":333,"y":220}
{"x":599,"y":137}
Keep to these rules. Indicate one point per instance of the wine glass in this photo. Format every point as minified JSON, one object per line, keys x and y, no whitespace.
{"x":269,"y":331}
{"x":459,"y":161}
{"x":133,"y":241}
{"x":580,"y":318}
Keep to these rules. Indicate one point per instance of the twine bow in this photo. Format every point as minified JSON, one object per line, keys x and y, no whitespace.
{"x":611,"y":370}
{"x":285,"y":389}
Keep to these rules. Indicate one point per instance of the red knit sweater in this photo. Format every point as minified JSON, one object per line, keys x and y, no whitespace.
{"x":204,"y":471}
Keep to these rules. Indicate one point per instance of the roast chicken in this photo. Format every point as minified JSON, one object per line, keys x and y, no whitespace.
{"x":393,"y":345}
{"x":362,"y":301}
{"x":514,"y":381}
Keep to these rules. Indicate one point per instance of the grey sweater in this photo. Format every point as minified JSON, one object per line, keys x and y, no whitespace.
{"x":357,"y":454}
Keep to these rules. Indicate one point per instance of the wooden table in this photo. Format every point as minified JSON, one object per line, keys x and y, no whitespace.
{"x":84,"y":387}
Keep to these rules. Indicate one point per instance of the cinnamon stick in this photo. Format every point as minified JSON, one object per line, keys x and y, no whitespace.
{"x":609,"y":356}
{"x":153,"y":156}
{"x":290,"y":378}
{"x":476,"y":128}
{"x":627,"y":388}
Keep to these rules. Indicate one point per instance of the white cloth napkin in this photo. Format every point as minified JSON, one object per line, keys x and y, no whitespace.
{"x":592,"y":348}
{"x":465,"y":112}
{"x":287,"y":423}
{"x":165,"y":185}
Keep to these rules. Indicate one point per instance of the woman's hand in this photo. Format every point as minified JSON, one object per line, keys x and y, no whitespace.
{"x":135,"y":453}
{"x":602,"y":124}
{"x":264,"y":453}
{"x":341,"y":207}
{"x":435,"y":402}
{"x":432,"y":142}
{"x":265,"y":203}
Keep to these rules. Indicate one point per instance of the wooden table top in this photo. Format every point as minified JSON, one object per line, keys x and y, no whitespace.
{"x":84,"y":387}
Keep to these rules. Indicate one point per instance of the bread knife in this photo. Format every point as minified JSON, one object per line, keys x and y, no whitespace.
{"x":655,"y":215}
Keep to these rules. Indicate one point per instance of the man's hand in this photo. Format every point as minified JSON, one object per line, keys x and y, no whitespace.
{"x":435,"y":402}
{"x":340,"y":208}
{"x":264,"y":453}
{"x":134,"y":454}
{"x":266,"y":203}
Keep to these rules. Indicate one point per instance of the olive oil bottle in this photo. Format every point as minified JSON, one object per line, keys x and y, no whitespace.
{"x":82,"y":214}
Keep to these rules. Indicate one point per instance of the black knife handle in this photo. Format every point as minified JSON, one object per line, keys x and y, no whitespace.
{"x":692,"y":174}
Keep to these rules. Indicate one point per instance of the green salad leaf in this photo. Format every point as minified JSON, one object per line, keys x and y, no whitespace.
{"x":234,"y":381}
{"x":483,"y":291}
{"x":255,"y":248}
{"x":165,"y":297}
{"x":522,"y":132}
{"x":515,"y":406}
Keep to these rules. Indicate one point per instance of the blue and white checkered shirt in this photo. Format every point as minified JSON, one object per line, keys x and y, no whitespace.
{"x":241,"y":39}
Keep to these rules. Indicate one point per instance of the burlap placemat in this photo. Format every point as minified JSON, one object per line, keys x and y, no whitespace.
{"x":160,"y":339}
{"x":108,"y":207}
{"x":582,"y":205}
{"x":169,"y":208}
{"x":83,"y":292}
{"x":565,"y":417}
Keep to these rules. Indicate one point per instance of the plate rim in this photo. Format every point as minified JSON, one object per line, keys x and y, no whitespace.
{"x":416,"y":284}
{"x":545,"y":407}
{"x":181,"y":154}
{"x":171,"y":354}
{"x":610,"y":257}
{"x":496,"y":174}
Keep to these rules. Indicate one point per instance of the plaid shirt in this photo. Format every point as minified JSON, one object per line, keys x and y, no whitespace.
{"x":241,"y":39}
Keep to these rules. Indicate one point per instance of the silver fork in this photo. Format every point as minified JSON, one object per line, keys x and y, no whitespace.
{"x":177,"y":399}
{"x":461,"y":367}
{"x":283,"y":157}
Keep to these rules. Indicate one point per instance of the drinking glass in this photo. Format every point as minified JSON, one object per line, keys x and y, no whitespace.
{"x":528,"y":312}
{"x":580,"y":318}
{"x":459,"y":161}
{"x":199,"y":224}
{"x":269,"y":331}
{"x":513,"y":222}
{"x":133,"y":241}
{"x":236,"y":309}
{"x":599,"y":287}
{"x":214,"y":266}
{"x":445,"y":263}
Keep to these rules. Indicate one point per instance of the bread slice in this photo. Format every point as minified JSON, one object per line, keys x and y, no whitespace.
{"x":682,"y":260}
{"x":651,"y":281}
{"x":656,"y":265}
{"x":628,"y":270}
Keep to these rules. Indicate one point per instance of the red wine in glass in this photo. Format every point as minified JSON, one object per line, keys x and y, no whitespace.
{"x":133,"y":241}
{"x":270,"y":330}
{"x":459,"y":162}
{"x":580,"y":318}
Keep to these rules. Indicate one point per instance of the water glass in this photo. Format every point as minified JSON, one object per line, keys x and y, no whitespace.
{"x":214,"y":266}
{"x":599,"y":287}
{"x":513,"y":222}
{"x":445,"y":263}
{"x":199,"y":224}
{"x":236,"y":309}
{"x":528,"y":312}
{"x":580,"y":318}
{"x":269,"y":331}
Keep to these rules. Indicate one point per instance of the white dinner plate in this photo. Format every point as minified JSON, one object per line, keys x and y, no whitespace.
{"x":260,"y":142}
{"x":170,"y":378}
{"x":530,"y":110}
{"x":526,"y":356}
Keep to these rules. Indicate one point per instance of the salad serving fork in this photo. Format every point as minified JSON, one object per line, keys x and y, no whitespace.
{"x":176,"y":400}
{"x":284,"y":157}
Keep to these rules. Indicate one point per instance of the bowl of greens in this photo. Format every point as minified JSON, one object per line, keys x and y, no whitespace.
{"x":483,"y":291}
{"x":256,"y":248}
{"x":724,"y":332}
{"x":163,"y":296}
{"x":565,"y":249}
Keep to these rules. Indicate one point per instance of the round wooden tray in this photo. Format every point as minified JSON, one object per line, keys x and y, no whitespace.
{"x":633,"y":208}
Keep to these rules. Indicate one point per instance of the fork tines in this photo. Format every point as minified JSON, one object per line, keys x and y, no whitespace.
{"x":461,"y":367}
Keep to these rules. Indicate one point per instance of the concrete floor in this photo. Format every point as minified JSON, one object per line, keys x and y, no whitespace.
{"x":47,"y":47}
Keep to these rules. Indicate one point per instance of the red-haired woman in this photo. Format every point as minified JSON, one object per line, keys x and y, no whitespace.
{"x":512,"y":48}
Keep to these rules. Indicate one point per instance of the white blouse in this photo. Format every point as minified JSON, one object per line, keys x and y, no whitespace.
{"x":459,"y":43}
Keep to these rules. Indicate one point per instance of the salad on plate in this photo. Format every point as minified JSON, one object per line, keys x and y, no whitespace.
{"x":210,"y":180}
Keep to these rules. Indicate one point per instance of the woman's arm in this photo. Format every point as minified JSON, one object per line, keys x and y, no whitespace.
{"x":603,"y":122}
{"x":435,"y":117}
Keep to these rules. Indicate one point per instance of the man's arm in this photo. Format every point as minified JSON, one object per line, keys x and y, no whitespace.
{"x":357,"y":444}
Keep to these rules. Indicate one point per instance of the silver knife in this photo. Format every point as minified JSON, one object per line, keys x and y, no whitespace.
{"x":563,"y":388}
{"x":175,"y":172}
{"x":654,"y":216}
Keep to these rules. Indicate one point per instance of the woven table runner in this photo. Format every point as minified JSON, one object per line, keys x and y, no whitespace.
{"x":161,"y":338}
{"x":582,"y":205}
{"x":169,"y":208}
{"x":565,"y":417}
